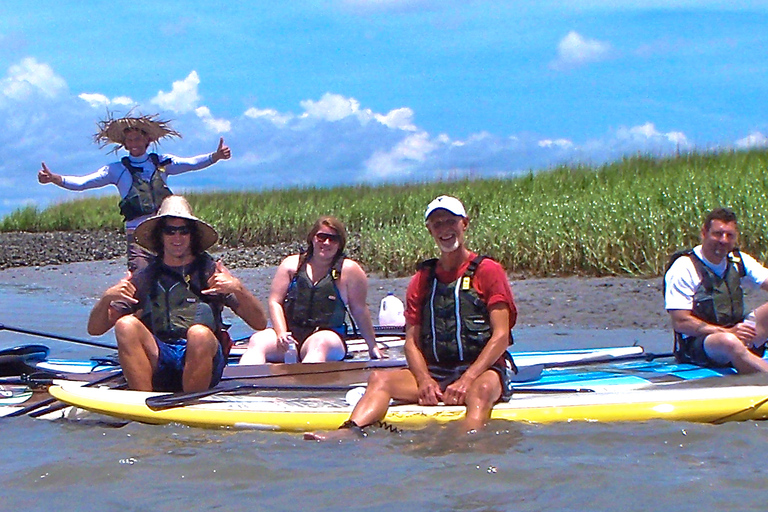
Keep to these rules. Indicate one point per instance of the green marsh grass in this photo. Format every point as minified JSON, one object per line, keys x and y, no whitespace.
{"x":622,"y":218}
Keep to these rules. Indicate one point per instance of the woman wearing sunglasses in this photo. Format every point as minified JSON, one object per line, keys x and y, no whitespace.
{"x":310,"y":297}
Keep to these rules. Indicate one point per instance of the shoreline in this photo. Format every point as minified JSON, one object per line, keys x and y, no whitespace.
{"x":559,"y":302}
{"x":87,"y":263}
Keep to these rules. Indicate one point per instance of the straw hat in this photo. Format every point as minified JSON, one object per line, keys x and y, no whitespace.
{"x":112,"y":131}
{"x":175,"y":207}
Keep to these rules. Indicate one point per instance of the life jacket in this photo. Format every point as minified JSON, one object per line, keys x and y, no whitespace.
{"x":717,"y":300}
{"x":144,"y":197}
{"x":309,"y":306}
{"x":176,"y":303}
{"x":455,"y":325}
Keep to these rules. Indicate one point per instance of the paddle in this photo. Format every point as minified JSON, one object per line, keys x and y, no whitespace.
{"x":20,"y":330}
{"x":48,"y":401}
{"x":525,"y":374}
{"x":21,"y":359}
{"x":267,"y":372}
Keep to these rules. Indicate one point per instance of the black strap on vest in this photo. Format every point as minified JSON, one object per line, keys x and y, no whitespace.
{"x":138,"y":170}
{"x":195,"y":270}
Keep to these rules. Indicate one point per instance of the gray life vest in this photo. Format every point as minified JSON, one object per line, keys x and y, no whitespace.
{"x":309,"y":306}
{"x":144,"y":197}
{"x":455,"y":325}
{"x":717,"y":300}
{"x":176,"y":302}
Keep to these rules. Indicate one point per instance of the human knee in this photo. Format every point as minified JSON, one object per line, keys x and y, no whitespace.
{"x":487,"y":388}
{"x":725,"y":341}
{"x":128,"y":330}
{"x":201,"y":339}
{"x":378,"y":380}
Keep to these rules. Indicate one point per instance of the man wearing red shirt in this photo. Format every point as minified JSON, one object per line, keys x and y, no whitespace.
{"x":457,"y":354}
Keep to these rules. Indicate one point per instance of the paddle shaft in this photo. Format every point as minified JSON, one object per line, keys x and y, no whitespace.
{"x":34,"y":409}
{"x":57,"y":337}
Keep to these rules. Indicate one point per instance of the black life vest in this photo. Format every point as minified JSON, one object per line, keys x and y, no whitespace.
{"x":455,"y":325}
{"x":144,"y":197}
{"x":176,"y":302}
{"x":717,"y":300}
{"x":309,"y":306}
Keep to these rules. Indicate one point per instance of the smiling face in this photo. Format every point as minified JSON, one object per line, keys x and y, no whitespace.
{"x":135,"y":142}
{"x":325,"y":243}
{"x":177,"y":241}
{"x":447,"y":229}
{"x":718,"y":240}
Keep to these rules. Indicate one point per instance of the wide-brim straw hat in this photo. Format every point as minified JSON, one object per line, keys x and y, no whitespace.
{"x":112,"y":131}
{"x":175,"y":207}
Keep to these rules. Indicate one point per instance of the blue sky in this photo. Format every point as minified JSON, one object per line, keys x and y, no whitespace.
{"x":364,"y":91}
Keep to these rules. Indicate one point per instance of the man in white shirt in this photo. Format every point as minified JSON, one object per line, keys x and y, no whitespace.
{"x":704,"y":298}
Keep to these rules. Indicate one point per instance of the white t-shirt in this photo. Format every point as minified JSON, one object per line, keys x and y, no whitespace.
{"x":116,"y":174}
{"x":682,"y":280}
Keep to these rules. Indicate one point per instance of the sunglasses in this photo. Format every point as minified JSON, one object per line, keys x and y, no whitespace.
{"x":172,"y":230}
{"x":327,"y":237}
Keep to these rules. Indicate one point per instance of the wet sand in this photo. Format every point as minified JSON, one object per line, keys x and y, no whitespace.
{"x":605,"y":302}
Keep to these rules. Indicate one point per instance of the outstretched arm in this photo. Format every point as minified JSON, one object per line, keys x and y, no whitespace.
{"x":44,"y":175}
{"x":222,"y":152}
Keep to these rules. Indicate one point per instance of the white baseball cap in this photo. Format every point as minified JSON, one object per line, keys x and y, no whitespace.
{"x":448,"y":203}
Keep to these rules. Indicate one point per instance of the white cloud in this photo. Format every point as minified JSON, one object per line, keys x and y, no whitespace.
{"x":183,"y":96}
{"x":215,"y":125}
{"x":30,"y":76}
{"x":575,"y":51}
{"x":270,"y":115}
{"x":557,"y":143}
{"x":648,"y":133}
{"x":331,"y":107}
{"x":402,"y":158}
{"x":753,"y":140}
{"x":401,"y":119}
{"x":100,"y":100}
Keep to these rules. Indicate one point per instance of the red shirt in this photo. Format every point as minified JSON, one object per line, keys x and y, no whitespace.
{"x":490,"y":282}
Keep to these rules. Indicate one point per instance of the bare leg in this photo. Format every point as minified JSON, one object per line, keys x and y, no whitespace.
{"x":481,"y":396}
{"x":383,"y":385}
{"x":262,"y":347}
{"x":202,"y":346}
{"x":727,"y":348}
{"x":322,"y":346}
{"x":137,"y":351}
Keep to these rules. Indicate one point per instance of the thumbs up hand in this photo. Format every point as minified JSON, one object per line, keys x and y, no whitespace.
{"x":222,"y":152}
{"x":45,"y":175}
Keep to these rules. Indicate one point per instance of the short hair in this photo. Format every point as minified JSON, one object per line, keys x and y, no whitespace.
{"x":330,"y":222}
{"x":722,"y":214}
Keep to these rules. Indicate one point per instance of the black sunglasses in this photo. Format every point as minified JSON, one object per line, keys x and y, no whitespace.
{"x":172,"y":230}
{"x":325,"y":237}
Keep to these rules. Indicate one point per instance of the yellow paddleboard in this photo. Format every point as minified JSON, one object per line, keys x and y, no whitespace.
{"x":694,"y":401}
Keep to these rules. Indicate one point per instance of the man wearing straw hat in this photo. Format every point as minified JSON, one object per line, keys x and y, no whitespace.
{"x":167,"y":316}
{"x":141,"y":177}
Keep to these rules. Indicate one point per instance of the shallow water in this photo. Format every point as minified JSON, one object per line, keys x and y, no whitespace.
{"x":575,"y":467}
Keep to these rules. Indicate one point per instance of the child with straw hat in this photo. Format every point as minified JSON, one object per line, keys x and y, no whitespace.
{"x":140,"y":177}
